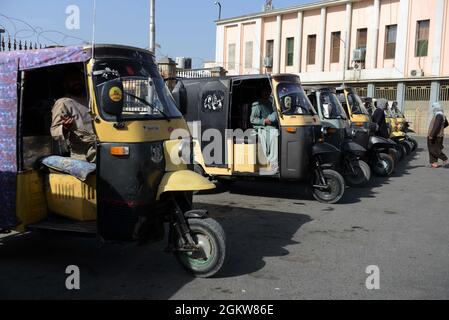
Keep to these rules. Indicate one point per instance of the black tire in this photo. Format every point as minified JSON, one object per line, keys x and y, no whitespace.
{"x":226,"y":183}
{"x":407,"y":147}
{"x":383,"y":167}
{"x":362,"y":176}
{"x":205,"y":230}
{"x":336,"y":184}
{"x":394,"y":154}
{"x":401,"y":151}
{"x":414,"y":144}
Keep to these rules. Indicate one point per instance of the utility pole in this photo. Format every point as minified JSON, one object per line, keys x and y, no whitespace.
{"x":217,"y":3}
{"x":152,"y":46}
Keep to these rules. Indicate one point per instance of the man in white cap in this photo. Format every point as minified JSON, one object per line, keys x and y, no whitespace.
{"x":436,"y":135}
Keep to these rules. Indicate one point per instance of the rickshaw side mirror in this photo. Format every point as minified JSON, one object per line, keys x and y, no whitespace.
{"x":180,"y":95}
{"x":112,"y":100}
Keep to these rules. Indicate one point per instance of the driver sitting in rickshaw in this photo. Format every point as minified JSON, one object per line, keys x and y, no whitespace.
{"x":264,"y":120}
{"x":71,"y":125}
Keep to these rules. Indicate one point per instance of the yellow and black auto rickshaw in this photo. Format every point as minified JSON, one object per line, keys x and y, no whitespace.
{"x":139,"y":180}
{"x":227,"y":145}
{"x":382,"y":154}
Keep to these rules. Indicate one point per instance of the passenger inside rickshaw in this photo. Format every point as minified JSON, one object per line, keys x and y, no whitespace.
{"x":253,"y":108}
{"x":54,"y":113}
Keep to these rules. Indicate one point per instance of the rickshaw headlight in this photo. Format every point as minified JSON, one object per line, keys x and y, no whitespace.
{"x":185,"y":151}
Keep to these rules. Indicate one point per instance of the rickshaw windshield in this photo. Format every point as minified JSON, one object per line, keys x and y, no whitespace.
{"x":331,"y":107}
{"x":356,"y":104}
{"x":293,"y":100}
{"x":145,"y":94}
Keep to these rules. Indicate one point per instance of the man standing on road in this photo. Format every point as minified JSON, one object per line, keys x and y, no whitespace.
{"x":436,"y":135}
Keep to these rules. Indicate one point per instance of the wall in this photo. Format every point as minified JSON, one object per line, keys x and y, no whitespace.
{"x":389,"y":15}
{"x":334,"y":18}
{"x":289,"y":25}
{"x":310,"y":26}
{"x":416,"y":13}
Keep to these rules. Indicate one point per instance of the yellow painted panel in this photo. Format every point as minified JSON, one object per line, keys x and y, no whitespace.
{"x":245,"y":157}
{"x":183,"y":180}
{"x":72,"y":198}
{"x":31,"y":205}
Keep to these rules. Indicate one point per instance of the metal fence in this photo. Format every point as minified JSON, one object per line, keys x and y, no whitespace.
{"x":14,"y":45}
{"x":388,"y":92}
{"x":194,"y":73}
{"x":444,"y":91}
{"x":417,"y":92}
{"x":362,"y":91}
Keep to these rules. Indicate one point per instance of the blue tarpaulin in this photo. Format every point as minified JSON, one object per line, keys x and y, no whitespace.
{"x":10,"y":65}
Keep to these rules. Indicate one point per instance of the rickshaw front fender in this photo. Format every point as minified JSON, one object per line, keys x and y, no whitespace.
{"x":183,"y":180}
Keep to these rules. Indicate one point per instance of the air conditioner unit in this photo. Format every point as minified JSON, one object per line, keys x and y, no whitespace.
{"x":359,"y":55}
{"x":417,"y":73}
{"x":268,"y":62}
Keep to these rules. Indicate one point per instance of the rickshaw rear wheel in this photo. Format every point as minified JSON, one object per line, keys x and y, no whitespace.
{"x":414,"y":143}
{"x":210,"y":237}
{"x":335,"y":190}
{"x":407,"y":147}
{"x":384,"y":166}
{"x":362,"y":174}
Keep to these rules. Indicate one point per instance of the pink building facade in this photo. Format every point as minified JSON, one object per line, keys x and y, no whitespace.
{"x":398,"y":49}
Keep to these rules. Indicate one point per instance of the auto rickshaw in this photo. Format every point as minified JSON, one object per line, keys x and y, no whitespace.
{"x":135,"y":185}
{"x":336,"y":126}
{"x":402,"y":127}
{"x":223,"y":105}
{"x":382,"y":154}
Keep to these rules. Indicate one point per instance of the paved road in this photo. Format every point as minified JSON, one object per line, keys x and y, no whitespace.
{"x":281,"y":244}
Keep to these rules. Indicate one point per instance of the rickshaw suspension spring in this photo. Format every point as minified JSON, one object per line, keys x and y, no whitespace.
{"x":182,"y":229}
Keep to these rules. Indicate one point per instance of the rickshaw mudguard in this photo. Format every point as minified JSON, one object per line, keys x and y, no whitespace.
{"x":379,"y":142}
{"x":353,"y":148}
{"x":324,"y":148}
{"x":183,"y":180}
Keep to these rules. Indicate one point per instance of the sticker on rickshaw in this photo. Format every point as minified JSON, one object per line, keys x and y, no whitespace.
{"x":115,"y":94}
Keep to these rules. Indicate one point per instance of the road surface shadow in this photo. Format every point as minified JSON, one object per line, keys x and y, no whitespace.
{"x":33,"y":264}
{"x":353,"y":195}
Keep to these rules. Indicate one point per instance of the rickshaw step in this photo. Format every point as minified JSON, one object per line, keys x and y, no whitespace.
{"x":86,"y":228}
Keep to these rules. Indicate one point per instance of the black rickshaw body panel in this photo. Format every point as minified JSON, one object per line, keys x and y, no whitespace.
{"x":353,"y":148}
{"x":208,"y":102}
{"x":127,"y":188}
{"x":335,"y":136}
{"x":379,"y":142}
{"x":296,"y":151}
{"x":362,"y":137}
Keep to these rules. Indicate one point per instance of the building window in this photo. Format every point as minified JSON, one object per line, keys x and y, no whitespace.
{"x":335,"y":47}
{"x":231,"y":56}
{"x":390,"y":41}
{"x":290,"y":51}
{"x":311,"y":49}
{"x":249,"y":54}
{"x":269,"y":49}
{"x":422,"y":38}
{"x":362,"y":36}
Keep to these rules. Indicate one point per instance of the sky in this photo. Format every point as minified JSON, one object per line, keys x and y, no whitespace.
{"x":183,"y":28}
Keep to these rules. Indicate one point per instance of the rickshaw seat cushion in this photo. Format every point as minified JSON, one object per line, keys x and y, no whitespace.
{"x":76,"y":168}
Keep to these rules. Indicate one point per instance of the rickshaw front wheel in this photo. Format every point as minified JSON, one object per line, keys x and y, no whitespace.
{"x":209,"y":236}
{"x":361,"y":175}
{"x":334,"y":190}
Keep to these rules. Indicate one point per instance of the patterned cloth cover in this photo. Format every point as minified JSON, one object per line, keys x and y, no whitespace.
{"x":77,"y":168}
{"x":10,"y":65}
